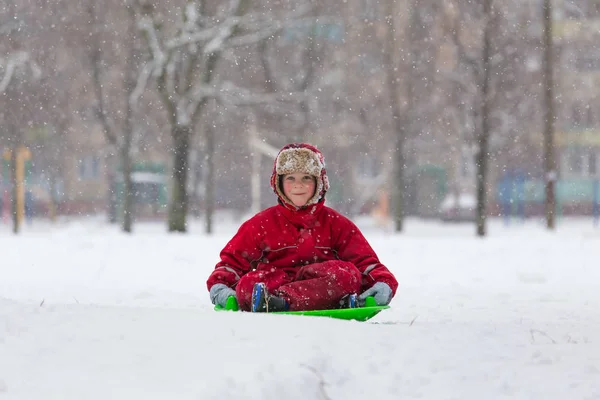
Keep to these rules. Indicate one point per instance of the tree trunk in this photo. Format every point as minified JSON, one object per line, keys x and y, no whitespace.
{"x":549,"y":159}
{"x":483,"y":139}
{"x":179,"y":199}
{"x":126,"y":161}
{"x":209,"y":198}
{"x":112,"y":197}
{"x":303,"y":135}
{"x":255,"y":174}
{"x":392,"y":77}
{"x":481,"y":162}
{"x":128,"y":198}
{"x":124,"y":129}
{"x":15,"y":189}
{"x":398,"y":183}
{"x":52,"y":206}
{"x":195,"y":178}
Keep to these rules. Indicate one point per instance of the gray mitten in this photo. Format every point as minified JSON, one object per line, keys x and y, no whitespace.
{"x":382,"y":293}
{"x":219,"y":294}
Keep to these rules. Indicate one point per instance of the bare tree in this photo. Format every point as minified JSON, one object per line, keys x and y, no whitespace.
{"x":184,"y":58}
{"x":549,"y":159}
{"x":118,"y":126}
{"x":298,"y":63}
{"x":483,"y":139}
{"x":185,"y":53}
{"x":487,"y":87}
{"x":209,"y":198}
{"x":18,"y":75}
{"x":400,"y":94}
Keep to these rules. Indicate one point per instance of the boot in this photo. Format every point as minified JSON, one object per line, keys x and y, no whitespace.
{"x":349,"y":301}
{"x":262,"y":301}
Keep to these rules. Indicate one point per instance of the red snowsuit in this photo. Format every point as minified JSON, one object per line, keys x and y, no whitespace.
{"x":312,"y":256}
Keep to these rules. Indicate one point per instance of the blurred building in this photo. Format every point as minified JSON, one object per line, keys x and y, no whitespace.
{"x":520,"y":189}
{"x":76,"y":169}
{"x":577,"y":34}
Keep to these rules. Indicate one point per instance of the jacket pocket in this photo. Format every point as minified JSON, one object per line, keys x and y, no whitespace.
{"x":281,"y":257}
{"x":322,"y":253}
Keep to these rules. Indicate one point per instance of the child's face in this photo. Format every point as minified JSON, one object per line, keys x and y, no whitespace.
{"x":299,"y":188}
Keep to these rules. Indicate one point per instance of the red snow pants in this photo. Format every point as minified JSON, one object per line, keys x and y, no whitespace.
{"x":317,"y":286}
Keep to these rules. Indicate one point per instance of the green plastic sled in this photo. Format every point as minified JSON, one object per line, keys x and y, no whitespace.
{"x":367,"y":312}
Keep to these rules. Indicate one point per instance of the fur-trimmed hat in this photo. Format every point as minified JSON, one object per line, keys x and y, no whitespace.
{"x":303,"y":158}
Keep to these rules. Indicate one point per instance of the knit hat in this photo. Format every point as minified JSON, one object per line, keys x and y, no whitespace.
{"x":300,"y":158}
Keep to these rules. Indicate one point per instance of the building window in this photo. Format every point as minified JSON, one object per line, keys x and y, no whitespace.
{"x":582,"y":115}
{"x":589,"y":61}
{"x":366,"y":165}
{"x":581,"y":9}
{"x":369,"y":63}
{"x":467,"y":163}
{"x":370,"y":10}
{"x":594,"y":164}
{"x":89,"y":168}
{"x":576,"y":162}
{"x":580,"y":162}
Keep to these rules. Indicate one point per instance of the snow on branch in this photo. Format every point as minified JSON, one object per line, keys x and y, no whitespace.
{"x":141,"y":84}
{"x":10,"y":26}
{"x":261,"y":32}
{"x":224,"y":32}
{"x":191,"y":37}
{"x":183,"y":56}
{"x":146,"y":24}
{"x":220,"y":31}
{"x":232,"y":94}
{"x":12,"y":64}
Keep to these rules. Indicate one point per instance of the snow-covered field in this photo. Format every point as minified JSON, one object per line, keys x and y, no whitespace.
{"x":89,"y":313}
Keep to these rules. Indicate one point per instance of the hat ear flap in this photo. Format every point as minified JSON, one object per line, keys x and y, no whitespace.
{"x":325,"y":180}
{"x":300,"y":158}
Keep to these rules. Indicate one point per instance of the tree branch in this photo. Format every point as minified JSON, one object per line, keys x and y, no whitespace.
{"x":96,"y":56}
{"x":13,"y":62}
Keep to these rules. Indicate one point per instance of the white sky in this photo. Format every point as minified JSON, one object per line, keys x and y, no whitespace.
{"x":515,"y":315}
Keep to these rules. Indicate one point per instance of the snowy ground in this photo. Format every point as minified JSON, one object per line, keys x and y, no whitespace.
{"x":89,"y":313}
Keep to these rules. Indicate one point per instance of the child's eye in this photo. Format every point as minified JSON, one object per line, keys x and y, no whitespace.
{"x":307,"y":178}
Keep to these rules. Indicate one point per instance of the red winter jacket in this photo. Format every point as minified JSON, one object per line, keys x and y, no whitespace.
{"x":285,"y":239}
{"x":288,"y":237}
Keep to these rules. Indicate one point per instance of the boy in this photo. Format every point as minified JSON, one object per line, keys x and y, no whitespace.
{"x":300,"y":254}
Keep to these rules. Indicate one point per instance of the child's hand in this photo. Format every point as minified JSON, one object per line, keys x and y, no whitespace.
{"x":219,"y":293}
{"x":382,"y":293}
